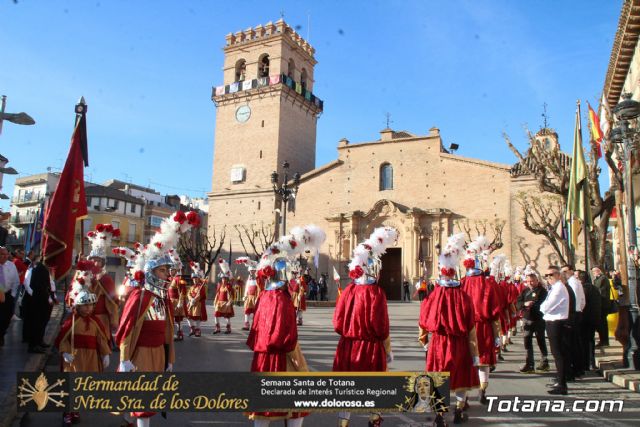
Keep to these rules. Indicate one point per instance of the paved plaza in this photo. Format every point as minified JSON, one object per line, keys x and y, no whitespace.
{"x":318,"y":342}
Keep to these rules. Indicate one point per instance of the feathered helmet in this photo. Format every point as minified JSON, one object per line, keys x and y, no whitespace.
{"x":517,"y":275}
{"x":280,"y":255}
{"x":473,"y":253}
{"x":126,"y":253}
{"x":250,"y":264}
{"x":81,"y":279}
{"x":507,"y":269}
{"x":84,"y":297}
{"x":158,"y":252}
{"x":196,"y":271}
{"x":497,"y":265}
{"x":225,"y":271}
{"x":365,"y":265}
{"x":177,"y":263}
{"x":100,"y":240}
{"x":450,"y":259}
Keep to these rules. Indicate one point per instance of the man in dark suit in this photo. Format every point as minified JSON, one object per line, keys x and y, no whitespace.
{"x":601,"y":282}
{"x":591,"y":318}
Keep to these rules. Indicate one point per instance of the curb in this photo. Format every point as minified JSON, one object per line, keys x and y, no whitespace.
{"x":35,"y":362}
{"x":610,"y":365}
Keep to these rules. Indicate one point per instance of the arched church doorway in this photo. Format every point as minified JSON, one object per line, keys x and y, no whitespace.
{"x":391,"y":273}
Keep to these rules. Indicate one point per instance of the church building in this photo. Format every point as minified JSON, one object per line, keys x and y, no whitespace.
{"x":267,"y":114}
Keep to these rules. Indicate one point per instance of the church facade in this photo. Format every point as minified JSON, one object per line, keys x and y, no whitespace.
{"x":267,"y":114}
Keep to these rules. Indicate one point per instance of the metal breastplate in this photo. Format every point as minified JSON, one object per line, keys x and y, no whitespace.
{"x":157,"y":310}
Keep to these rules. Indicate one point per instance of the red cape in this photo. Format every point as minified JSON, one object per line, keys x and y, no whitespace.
{"x":132,"y":311}
{"x":274,"y":327}
{"x":486,"y":304}
{"x":448,"y":314}
{"x":362,"y":321}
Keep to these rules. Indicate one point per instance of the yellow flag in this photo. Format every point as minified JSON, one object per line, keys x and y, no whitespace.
{"x":578,"y":202}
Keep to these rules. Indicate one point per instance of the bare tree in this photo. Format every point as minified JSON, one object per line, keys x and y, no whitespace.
{"x":483,"y":227}
{"x":255,"y":240}
{"x":543,"y":215}
{"x":202,"y":247}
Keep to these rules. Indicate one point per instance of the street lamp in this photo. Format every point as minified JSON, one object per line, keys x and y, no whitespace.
{"x":626,"y":110}
{"x":285,"y":191}
{"x":17,"y":118}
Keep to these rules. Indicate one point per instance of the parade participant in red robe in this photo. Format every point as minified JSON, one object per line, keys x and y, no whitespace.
{"x":107,"y":307}
{"x":197,"y":298}
{"x":448,"y":315}
{"x":83,"y":342}
{"x":486,"y":308}
{"x":251,"y":290}
{"x":513,"y":298}
{"x":274,"y":334}
{"x":145,"y":334}
{"x":298,"y":290}
{"x":361,"y":317}
{"x":128,"y":283}
{"x":225,"y":296}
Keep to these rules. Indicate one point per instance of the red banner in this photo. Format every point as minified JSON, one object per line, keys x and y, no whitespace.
{"x":68,"y":205}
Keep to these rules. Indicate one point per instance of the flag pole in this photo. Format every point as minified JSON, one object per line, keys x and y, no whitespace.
{"x":585,"y":195}
{"x":81,"y":110}
{"x":585,"y":225}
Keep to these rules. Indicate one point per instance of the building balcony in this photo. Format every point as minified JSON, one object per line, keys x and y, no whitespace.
{"x":26,"y":199}
{"x":22,"y":218}
{"x":298,"y":87}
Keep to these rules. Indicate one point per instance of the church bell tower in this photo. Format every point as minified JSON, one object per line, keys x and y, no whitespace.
{"x":266,"y":113}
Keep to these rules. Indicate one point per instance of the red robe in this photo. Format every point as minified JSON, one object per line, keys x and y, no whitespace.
{"x":486,"y":308}
{"x":273,"y":334}
{"x":250,"y":298}
{"x":513,"y":298}
{"x":148,"y":344}
{"x":199,"y":311}
{"x":178,"y":295}
{"x":88,"y":343}
{"x":503,"y":301}
{"x":298,"y":290}
{"x":223,"y":301}
{"x":107,"y":308}
{"x":448,"y":315}
{"x":506,"y":314}
{"x":362,"y":321}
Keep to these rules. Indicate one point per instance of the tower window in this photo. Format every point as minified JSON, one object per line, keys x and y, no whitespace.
{"x":386,"y":177}
{"x":303,"y":78}
{"x":292,"y":68}
{"x":260,"y":153}
{"x":263,"y":66}
{"x":241,"y":70}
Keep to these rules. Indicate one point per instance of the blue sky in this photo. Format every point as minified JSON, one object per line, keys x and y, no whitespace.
{"x":146,"y":68}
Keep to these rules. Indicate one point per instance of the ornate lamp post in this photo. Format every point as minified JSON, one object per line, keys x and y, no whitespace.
{"x":285,"y":191}
{"x":626,"y":110}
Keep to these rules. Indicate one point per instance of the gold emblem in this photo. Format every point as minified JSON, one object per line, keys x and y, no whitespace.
{"x":41,"y":393}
